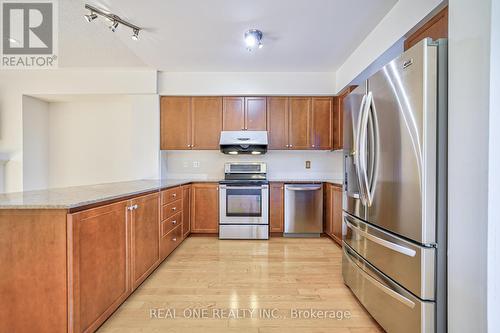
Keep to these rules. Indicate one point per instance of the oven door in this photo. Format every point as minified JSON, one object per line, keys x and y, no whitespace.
{"x":243,"y":204}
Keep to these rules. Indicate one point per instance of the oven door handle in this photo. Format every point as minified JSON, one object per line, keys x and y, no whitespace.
{"x":244,"y":187}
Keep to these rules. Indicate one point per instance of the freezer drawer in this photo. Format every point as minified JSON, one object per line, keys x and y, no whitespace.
{"x":394,"y":308}
{"x":410,"y":265}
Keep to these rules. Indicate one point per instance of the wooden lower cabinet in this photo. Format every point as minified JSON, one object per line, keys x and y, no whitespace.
{"x":333,"y":212}
{"x":98,"y":265}
{"x":204,"y":208}
{"x":145,"y":228}
{"x":276,"y":207}
{"x":186,"y":210}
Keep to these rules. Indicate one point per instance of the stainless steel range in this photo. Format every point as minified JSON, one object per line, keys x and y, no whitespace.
{"x":244,"y":201}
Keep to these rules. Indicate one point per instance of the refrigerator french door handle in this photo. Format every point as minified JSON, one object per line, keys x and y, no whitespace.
{"x":375,"y":145}
{"x":357,"y":153}
{"x":387,"y":290}
{"x":385,"y":243}
{"x":362,"y":155}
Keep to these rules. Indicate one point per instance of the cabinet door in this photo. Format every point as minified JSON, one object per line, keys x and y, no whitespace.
{"x":435,"y":28}
{"x":338,"y":118}
{"x":204,"y":208}
{"x":327,"y":209}
{"x":98,"y":264}
{"x":233,"y":114}
{"x":276,"y":211}
{"x":255,"y":114}
{"x":175,"y":121}
{"x":206,"y":122}
{"x":186,"y":210}
{"x":277,"y":122}
{"x":321,"y":123}
{"x":145,"y":233}
{"x":299,"y":122}
{"x":337,"y":213}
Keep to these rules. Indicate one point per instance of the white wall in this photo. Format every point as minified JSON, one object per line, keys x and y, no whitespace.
{"x":249,"y":83}
{"x":16,"y":83}
{"x":494,"y":176}
{"x":100,"y":139}
{"x":397,"y":23}
{"x":470,"y":37}
{"x":35,"y":143}
{"x":287,"y":165}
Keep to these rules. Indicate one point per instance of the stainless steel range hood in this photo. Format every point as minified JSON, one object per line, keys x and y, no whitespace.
{"x":243,"y":142}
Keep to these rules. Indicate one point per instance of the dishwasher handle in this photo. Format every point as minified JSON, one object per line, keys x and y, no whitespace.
{"x":303,"y":188}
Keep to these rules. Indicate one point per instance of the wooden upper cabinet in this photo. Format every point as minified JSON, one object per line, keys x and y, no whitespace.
{"x":175,"y":122}
{"x":145,"y":231}
{"x":277,"y":122}
{"x":233,"y":114}
{"x":299,"y":122}
{"x":98,"y":264}
{"x":276,"y":207}
{"x":206,"y":122}
{"x":321,"y":123}
{"x":435,"y":28}
{"x":244,"y":113}
{"x":205,"y":208}
{"x":255,"y":113}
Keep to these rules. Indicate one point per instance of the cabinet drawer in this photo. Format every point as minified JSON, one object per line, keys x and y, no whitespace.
{"x":171,"y":223}
{"x":171,"y":195}
{"x":171,"y":209}
{"x":170,"y":241}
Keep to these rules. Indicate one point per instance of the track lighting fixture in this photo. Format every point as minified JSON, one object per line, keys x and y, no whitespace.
{"x":115,"y":19}
{"x":90,"y":17}
{"x":113,"y":26}
{"x":135,"y":35}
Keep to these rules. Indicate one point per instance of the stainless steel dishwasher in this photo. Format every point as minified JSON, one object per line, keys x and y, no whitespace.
{"x":303,"y":210}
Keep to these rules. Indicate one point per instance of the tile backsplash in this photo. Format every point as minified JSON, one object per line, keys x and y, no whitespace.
{"x":287,"y":165}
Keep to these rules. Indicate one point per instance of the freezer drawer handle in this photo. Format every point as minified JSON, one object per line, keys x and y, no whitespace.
{"x":380,"y":241}
{"x":308,"y":188}
{"x":397,"y":296}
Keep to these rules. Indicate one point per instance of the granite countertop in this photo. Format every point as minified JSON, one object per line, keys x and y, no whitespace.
{"x":79,"y":196}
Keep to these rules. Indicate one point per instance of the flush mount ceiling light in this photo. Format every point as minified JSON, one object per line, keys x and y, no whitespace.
{"x":114,"y":19}
{"x":253,"y":39}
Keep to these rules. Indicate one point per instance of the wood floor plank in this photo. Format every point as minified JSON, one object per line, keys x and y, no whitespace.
{"x":281,"y":275}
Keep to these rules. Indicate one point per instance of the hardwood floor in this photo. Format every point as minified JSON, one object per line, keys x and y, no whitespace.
{"x":280,"y":275}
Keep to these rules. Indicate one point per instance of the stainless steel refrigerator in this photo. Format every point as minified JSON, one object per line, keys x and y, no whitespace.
{"x":394,"y":218}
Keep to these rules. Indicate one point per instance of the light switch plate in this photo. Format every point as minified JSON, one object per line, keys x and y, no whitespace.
{"x":196,"y":164}
{"x":308,"y":164}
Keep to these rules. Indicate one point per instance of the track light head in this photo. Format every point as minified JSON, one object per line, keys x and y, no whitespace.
{"x":114,"y":26}
{"x":90,"y":17}
{"x":135,"y":35}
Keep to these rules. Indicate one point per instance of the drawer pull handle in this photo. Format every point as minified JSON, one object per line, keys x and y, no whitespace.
{"x":174,"y":239}
{"x":390,"y":245}
{"x":387,"y":290}
{"x":174,"y":209}
{"x":174,"y":222}
{"x":174,"y":195}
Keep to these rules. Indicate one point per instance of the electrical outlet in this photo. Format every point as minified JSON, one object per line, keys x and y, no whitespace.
{"x":185,"y":164}
{"x":308,"y":164}
{"x":196,"y":164}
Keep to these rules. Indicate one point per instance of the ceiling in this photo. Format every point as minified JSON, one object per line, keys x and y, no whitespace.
{"x":207,"y":35}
